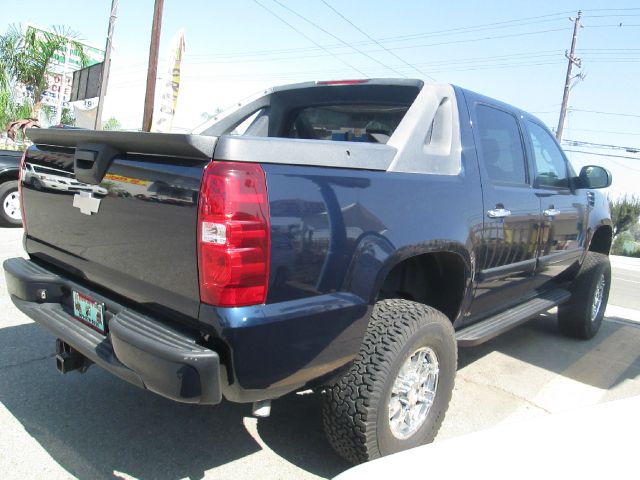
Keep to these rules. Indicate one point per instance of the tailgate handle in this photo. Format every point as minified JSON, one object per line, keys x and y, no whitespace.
{"x":91,"y":162}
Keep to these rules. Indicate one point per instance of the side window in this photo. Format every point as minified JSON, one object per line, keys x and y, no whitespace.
{"x":501,"y":145}
{"x":551,"y":167}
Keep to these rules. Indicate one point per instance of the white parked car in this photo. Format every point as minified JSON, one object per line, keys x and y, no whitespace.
{"x":54,"y":179}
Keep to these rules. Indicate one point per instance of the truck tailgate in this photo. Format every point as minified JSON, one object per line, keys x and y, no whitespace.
{"x":133,"y":234}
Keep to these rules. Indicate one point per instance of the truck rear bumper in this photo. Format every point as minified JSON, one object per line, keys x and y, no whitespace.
{"x":137,"y":348}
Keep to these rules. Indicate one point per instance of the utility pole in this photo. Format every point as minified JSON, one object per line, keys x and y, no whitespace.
{"x":106,"y":65}
{"x":152,"y":71}
{"x":567,"y":83}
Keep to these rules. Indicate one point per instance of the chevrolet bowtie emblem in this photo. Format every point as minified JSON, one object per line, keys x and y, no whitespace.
{"x":86,"y":202}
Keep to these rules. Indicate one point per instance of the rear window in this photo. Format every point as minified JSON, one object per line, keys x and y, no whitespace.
{"x":347,"y":123}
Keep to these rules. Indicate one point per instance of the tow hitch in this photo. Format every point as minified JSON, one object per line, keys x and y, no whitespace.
{"x":68,"y":359}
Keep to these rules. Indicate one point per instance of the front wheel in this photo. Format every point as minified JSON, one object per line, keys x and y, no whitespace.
{"x":10,"y":215}
{"x":397,"y":391}
{"x":582,"y":315}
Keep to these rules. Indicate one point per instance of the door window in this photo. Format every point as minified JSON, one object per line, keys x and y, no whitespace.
{"x":551,"y":167}
{"x":501,"y":145}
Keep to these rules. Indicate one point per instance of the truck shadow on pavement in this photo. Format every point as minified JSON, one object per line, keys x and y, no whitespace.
{"x":604,"y":362}
{"x":96,"y":426}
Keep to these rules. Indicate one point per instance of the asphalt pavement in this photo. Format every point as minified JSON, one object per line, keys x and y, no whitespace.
{"x":95,"y":426}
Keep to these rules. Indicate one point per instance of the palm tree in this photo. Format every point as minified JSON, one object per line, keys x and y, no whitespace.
{"x":11,"y":110}
{"x":27,"y":55}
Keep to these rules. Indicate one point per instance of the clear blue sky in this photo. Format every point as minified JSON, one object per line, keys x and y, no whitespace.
{"x":513,"y":51}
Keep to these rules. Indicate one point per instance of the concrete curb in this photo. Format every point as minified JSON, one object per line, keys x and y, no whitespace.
{"x":625,"y":262}
{"x":615,"y":312}
{"x":565,"y":436}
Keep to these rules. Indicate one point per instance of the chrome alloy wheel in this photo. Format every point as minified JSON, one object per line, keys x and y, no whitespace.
{"x":413,"y":393}
{"x":11,"y":206}
{"x":597,"y":298}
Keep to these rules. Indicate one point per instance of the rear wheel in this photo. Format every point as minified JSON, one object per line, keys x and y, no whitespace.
{"x":10,"y":215}
{"x":582,"y":315}
{"x":396,"y":393}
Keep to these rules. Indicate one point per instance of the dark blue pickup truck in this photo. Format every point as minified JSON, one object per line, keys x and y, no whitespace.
{"x":341,"y":236}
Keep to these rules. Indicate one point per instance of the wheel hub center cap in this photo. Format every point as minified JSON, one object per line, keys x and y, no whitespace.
{"x":413,"y":393}
{"x":12,"y":206}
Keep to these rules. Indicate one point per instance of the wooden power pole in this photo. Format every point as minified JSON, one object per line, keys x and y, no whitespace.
{"x":106,"y":65}
{"x":567,"y":83}
{"x":152,"y":71}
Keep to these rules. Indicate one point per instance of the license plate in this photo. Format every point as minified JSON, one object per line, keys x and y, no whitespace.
{"x":88,"y":311}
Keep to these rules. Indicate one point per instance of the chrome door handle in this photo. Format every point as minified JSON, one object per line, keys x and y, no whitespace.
{"x":551,"y":212}
{"x":498,"y":213}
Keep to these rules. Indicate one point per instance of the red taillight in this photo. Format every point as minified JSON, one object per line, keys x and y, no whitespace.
{"x":20,"y":189}
{"x":233,"y":235}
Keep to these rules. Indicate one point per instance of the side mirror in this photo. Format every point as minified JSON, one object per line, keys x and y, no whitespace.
{"x":593,"y":176}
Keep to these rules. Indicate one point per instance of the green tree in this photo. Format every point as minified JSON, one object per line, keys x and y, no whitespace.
{"x":27,"y":55}
{"x":47,"y":113}
{"x":624,"y":213}
{"x":112,"y":124}
{"x":624,"y":244}
{"x":635,"y":232}
{"x":10,"y":109}
{"x":67,"y":117}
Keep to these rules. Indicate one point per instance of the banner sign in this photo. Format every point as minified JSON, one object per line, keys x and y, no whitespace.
{"x":165,"y":104}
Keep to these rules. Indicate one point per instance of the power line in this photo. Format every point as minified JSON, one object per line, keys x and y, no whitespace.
{"x":613,"y":25}
{"x":614,"y":15}
{"x":473,"y":40}
{"x":376,"y":41}
{"x":605,"y":113}
{"x":338,"y":38}
{"x":325,"y":72}
{"x":613,"y":158}
{"x":461,"y":61}
{"x":580,"y":143}
{"x":608,"y":49}
{"x":611,"y":9}
{"x":486,"y":26}
{"x":296,"y":74}
{"x":309,"y":38}
{"x":264,"y":57}
{"x":601,"y":154}
{"x":603,"y":131}
{"x":448,"y":32}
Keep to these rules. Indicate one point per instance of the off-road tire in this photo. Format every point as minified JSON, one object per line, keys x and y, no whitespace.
{"x":6,"y":189}
{"x":574,"y":316}
{"x":356,"y":408}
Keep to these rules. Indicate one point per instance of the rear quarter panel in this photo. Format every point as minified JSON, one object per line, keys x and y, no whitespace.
{"x":343,"y":230}
{"x":335,"y":234}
